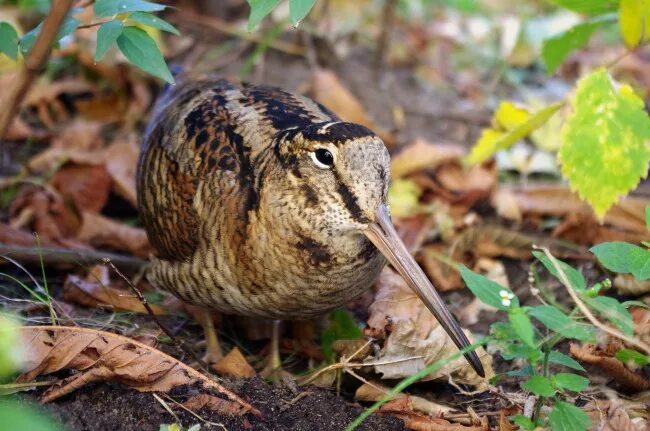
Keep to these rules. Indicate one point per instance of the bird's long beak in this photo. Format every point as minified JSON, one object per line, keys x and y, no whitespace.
{"x":384,"y":236}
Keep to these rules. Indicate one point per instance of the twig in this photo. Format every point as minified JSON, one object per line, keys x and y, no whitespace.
{"x":145,"y":303}
{"x":194,"y":414}
{"x":224,"y":27}
{"x":388,"y":16}
{"x":587,"y":313}
{"x":60,"y":255}
{"x":165,"y":406}
{"x":33,"y":63}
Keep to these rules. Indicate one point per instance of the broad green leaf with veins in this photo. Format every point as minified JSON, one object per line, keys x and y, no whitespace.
{"x":605,"y":141}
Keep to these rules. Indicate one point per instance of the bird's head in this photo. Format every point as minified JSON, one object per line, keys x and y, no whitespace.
{"x":334,"y":176}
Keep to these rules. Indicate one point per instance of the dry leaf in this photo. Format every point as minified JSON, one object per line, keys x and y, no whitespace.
{"x":216,"y":404}
{"x":234,"y":364}
{"x":627,"y":284}
{"x":100,"y":231}
{"x":92,"y":292}
{"x":87,"y":186}
{"x":442,"y":275}
{"x":103,"y":356}
{"x":403,"y":409}
{"x":327,"y":89}
{"x":492,"y":241}
{"x":591,"y":354}
{"x":375,"y":392}
{"x":504,"y":423}
{"x":421,"y":154}
{"x":413,"y":338}
{"x":121,"y":161}
{"x":610,"y":416}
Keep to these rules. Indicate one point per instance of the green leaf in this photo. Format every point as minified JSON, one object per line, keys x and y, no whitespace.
{"x":570,"y":382}
{"x":628,"y":304}
{"x":342,"y":327}
{"x":523,"y":422}
{"x":562,"y":359}
{"x":589,"y":7}
{"x":150,"y":20}
{"x":539,"y":385}
{"x":104,"y":8}
{"x":19,"y":415}
{"x":259,"y":9}
{"x":8,"y":40}
{"x":567,"y":417}
{"x":522,"y":326}
{"x":604,"y":150}
{"x":521,"y":351}
{"x":576,"y":280}
{"x":68,"y":26}
{"x":613,"y":311}
{"x":493,"y":140}
{"x":630,"y":14}
{"x":298,"y":10}
{"x":623,"y":257}
{"x":488,"y":291}
{"x":106,"y":36}
{"x":626,"y":355}
{"x":557,"y":48}
{"x":559,"y":322}
{"x":140,"y":49}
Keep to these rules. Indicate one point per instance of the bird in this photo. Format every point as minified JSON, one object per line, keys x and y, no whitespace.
{"x":264,"y":203}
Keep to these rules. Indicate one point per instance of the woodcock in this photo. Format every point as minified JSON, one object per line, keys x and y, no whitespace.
{"x":264,"y":203}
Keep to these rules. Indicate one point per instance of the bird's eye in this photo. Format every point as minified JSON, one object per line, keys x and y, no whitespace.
{"x":322,"y":158}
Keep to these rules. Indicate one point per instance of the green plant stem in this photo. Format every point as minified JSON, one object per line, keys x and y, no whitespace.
{"x":412,"y":379}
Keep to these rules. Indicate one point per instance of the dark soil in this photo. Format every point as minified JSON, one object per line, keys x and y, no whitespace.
{"x":112,"y":407}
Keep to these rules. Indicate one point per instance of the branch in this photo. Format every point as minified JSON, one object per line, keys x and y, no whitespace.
{"x":33,"y":63}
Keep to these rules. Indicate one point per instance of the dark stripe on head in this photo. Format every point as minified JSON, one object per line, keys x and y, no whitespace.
{"x":336,"y":133}
{"x":282,"y":109}
{"x":349,"y":199}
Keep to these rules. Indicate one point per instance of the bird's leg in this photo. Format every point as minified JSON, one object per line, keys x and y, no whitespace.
{"x":273,"y":369}
{"x":204,"y":318}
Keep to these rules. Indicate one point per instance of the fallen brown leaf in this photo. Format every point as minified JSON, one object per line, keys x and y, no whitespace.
{"x":627,"y":284}
{"x":375,"y":392}
{"x":403,"y":409}
{"x":87,"y":186}
{"x":100,"y":231}
{"x":234,"y":364}
{"x":327,"y":89}
{"x":611,"y":416}
{"x":421,"y":154}
{"x":103,"y":356}
{"x":93,"y":292}
{"x":504,"y":423}
{"x":413,"y":338}
{"x":592,"y":354}
{"x":216,"y":404}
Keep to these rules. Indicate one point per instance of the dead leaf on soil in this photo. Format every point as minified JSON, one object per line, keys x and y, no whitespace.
{"x":592,"y":354}
{"x":102,"y":232}
{"x":607,"y":415}
{"x":103,"y":356}
{"x":327,"y":89}
{"x":627,"y":284}
{"x":87,"y":186}
{"x":403,"y":409}
{"x":410,"y":331}
{"x":421,"y":154}
{"x":234,"y":364}
{"x":100,"y":291}
{"x":214,"y":403}
{"x":376,"y":391}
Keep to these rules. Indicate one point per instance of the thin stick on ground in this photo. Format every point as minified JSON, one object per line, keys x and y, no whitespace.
{"x":33,"y":63}
{"x":587,"y":313}
{"x":145,"y":303}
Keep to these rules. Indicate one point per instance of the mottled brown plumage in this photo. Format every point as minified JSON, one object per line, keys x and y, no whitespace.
{"x":264,"y":203}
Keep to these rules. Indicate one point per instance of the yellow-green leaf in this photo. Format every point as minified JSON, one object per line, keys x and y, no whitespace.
{"x":493,"y":140}
{"x":510,"y":116}
{"x":403,"y":197}
{"x":605,"y":141}
{"x":631,"y":14}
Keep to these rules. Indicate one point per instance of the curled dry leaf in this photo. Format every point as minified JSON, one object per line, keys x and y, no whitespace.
{"x":611,"y":416}
{"x":100,"y":231}
{"x":421,"y":154}
{"x":87,"y":186}
{"x":92,"y":292}
{"x":376,"y":391}
{"x":403,"y":409}
{"x":234,"y":364}
{"x":216,"y":404}
{"x":413,"y":338}
{"x":442,"y":274}
{"x":327,"y":89}
{"x":592,"y":354}
{"x":103,"y":356}
{"x":627,"y":284}
{"x":492,"y":241}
